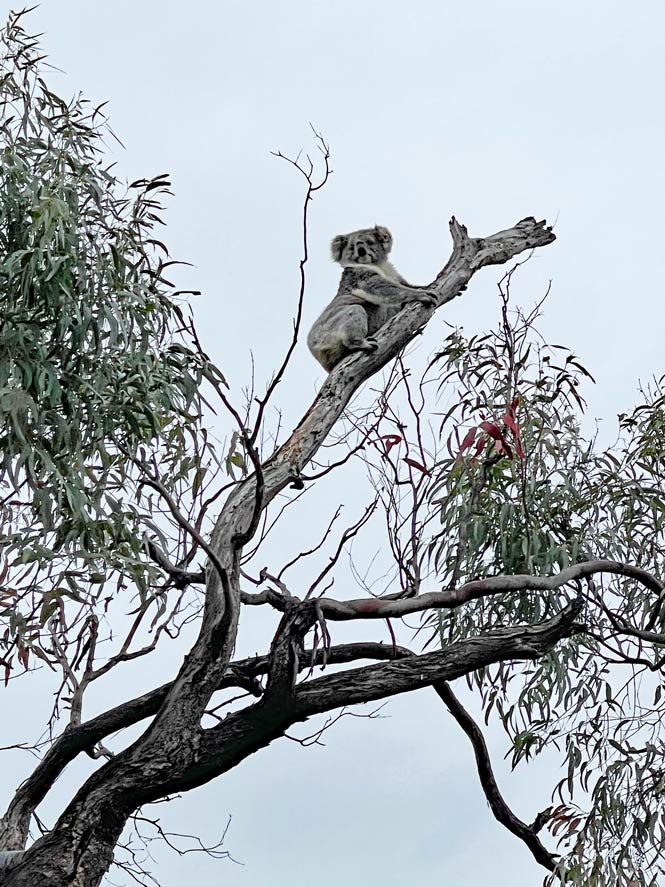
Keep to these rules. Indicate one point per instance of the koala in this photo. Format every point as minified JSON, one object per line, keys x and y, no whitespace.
{"x":370,"y":293}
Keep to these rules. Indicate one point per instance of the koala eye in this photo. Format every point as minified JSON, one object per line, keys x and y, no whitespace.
{"x":370,"y":242}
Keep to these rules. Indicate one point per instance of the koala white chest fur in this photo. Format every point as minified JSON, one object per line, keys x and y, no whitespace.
{"x":370,"y":293}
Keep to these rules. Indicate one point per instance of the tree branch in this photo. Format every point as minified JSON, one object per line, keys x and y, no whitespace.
{"x":114,"y":791}
{"x":498,"y":806}
{"x":310,"y":190}
{"x":82,"y":737}
{"x":243,"y":733}
{"x":384,"y":608}
{"x":396,"y":605}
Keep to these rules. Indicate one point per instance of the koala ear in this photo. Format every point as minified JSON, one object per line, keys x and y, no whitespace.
{"x":337,"y":247}
{"x":384,"y":236}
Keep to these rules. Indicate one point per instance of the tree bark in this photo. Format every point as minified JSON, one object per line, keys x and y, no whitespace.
{"x":79,"y":850}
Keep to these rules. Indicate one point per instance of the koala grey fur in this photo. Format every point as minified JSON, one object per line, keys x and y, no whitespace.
{"x":370,"y":293}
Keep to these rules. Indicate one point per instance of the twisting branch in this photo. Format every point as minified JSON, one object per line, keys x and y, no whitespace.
{"x":82,"y":737}
{"x":179,"y":577}
{"x":397,"y":605}
{"x":498,"y":806}
{"x":384,"y":608}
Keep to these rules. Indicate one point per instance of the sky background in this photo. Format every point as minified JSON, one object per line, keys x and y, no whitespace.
{"x":491,"y":111}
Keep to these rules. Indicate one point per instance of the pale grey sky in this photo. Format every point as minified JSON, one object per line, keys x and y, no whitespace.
{"x":489,"y":110}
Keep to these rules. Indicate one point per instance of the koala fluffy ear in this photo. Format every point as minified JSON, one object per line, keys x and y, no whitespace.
{"x":337,"y":247}
{"x":384,"y":236}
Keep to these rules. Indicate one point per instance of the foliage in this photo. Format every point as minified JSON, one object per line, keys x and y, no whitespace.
{"x":521,"y":489}
{"x":99,"y":369}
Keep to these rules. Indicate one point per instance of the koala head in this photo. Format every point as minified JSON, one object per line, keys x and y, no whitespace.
{"x":368,"y":246}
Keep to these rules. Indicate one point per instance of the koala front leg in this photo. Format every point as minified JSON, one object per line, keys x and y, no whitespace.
{"x":425,"y":297}
{"x":398,"y":296}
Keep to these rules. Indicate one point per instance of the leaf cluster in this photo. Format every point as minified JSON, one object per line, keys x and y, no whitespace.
{"x":99,"y":367}
{"x":524,"y":490}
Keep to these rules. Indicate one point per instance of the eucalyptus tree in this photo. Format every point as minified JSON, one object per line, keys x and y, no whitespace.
{"x":531,"y":555}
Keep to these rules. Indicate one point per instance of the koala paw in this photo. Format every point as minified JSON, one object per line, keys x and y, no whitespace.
{"x":428,"y":299}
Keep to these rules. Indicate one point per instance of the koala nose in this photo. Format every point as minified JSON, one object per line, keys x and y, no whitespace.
{"x":362,"y":251}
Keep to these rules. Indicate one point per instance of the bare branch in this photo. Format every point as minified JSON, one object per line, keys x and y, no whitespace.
{"x":498,"y":806}
{"x":312,"y":188}
{"x":349,"y":533}
{"x":383,"y":608}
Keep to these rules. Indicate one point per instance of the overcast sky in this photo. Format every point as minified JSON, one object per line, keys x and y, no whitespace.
{"x":489,"y":110}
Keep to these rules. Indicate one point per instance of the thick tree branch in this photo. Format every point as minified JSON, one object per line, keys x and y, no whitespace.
{"x":83,"y":737}
{"x":498,"y":806}
{"x":94,"y":819}
{"x":242,"y":733}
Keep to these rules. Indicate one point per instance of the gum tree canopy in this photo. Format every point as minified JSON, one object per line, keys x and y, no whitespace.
{"x":530,"y":555}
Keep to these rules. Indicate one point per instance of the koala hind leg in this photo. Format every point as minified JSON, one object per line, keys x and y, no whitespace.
{"x":354,"y":331}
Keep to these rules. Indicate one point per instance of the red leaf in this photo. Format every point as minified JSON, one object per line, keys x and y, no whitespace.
{"x":469,"y":438}
{"x":23,"y":656}
{"x":480,"y":443}
{"x":414,"y":464}
{"x":492,"y":429}
{"x":509,"y":420}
